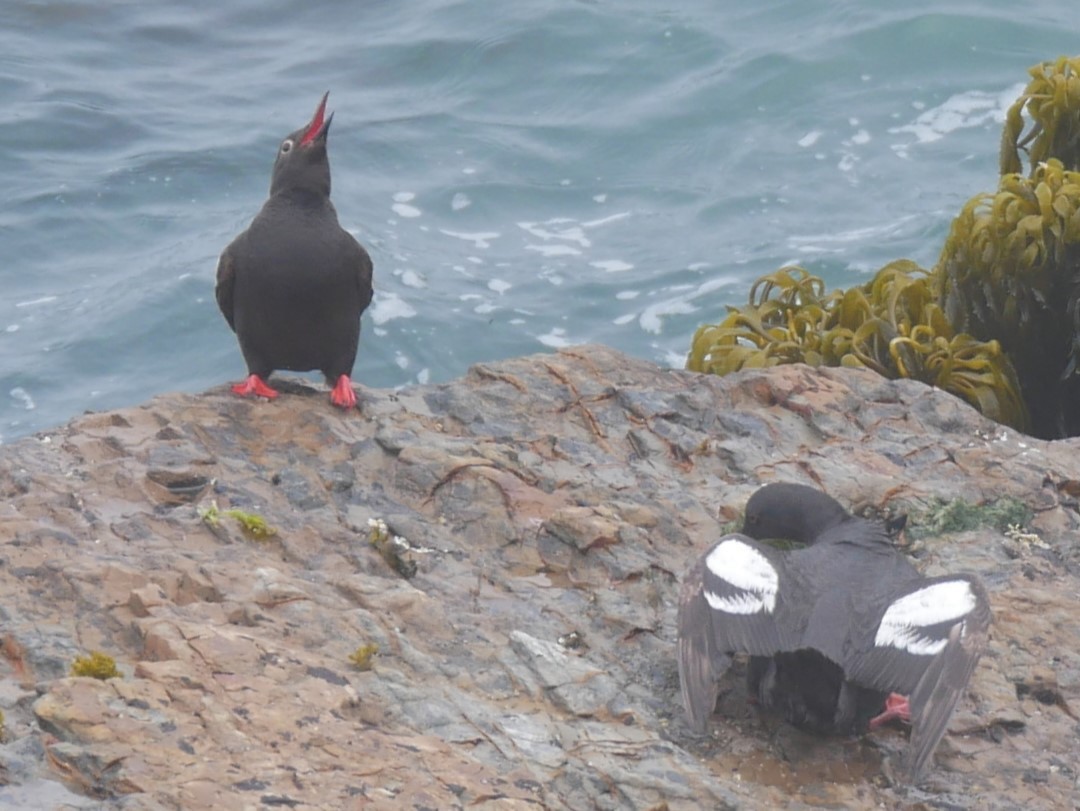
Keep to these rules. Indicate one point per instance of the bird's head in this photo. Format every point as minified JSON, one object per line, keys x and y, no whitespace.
{"x":302,"y":162}
{"x":791,"y":512}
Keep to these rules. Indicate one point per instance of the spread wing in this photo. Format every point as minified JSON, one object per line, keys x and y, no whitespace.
{"x":226,"y":281}
{"x":735,"y":599}
{"x":924,"y":641}
{"x":701,"y":662}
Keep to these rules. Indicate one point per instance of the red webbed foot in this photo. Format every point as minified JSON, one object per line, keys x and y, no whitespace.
{"x":343,"y":395}
{"x":896,"y":707}
{"x":254,"y":386}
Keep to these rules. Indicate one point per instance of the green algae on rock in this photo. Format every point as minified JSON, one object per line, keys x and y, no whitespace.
{"x":362,"y":657}
{"x":893,"y":325}
{"x":97,"y":665}
{"x":958,"y":515}
{"x":253,"y":524}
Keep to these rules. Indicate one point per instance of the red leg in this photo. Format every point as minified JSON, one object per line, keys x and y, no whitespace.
{"x":254,"y":387}
{"x":343,"y":395}
{"x":896,"y":707}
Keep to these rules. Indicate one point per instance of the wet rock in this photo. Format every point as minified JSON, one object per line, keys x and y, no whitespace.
{"x":546,"y":508}
{"x":568,"y":680}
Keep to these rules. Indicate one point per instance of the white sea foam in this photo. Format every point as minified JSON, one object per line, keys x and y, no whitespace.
{"x":23,"y":398}
{"x":557,"y":228}
{"x":388,"y":306}
{"x":627,"y":295}
{"x":405,"y":210}
{"x":499,"y":285}
{"x":675,"y":360}
{"x":973,"y":108}
{"x":837,"y":241}
{"x":556,"y":338}
{"x":35,"y":301}
{"x":410,"y":278}
{"x":460,"y":201}
{"x":622,"y":215}
{"x":554,"y":250}
{"x":810,"y":138}
{"x":612,"y":265}
{"x":479,"y":239}
{"x":652,"y":318}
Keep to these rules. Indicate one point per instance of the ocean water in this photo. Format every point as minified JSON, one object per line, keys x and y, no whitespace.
{"x":526,"y":175}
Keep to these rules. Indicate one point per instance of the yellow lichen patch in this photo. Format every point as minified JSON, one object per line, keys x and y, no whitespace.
{"x":252,"y":523}
{"x":362,"y":657}
{"x":97,"y":666}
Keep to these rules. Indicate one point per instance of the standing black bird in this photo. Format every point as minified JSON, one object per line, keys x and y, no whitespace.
{"x":832,"y":628}
{"x":294,"y":284}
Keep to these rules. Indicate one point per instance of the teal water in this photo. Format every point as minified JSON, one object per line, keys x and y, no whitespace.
{"x":525,"y":175}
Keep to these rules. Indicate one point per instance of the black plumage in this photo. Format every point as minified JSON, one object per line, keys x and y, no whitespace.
{"x":294,"y":284}
{"x":833,"y":627}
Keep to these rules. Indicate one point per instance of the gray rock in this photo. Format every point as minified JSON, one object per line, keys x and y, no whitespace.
{"x":549,"y":506}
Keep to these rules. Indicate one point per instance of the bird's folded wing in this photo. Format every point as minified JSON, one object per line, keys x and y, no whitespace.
{"x":223,"y":290}
{"x":360,"y":261}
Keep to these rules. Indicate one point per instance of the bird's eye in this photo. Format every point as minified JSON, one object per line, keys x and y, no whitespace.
{"x":286,"y":146}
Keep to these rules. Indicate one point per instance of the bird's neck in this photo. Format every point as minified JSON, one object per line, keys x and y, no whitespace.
{"x":303,"y":196}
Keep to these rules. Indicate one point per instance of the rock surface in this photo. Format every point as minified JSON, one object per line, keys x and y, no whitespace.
{"x":526,"y":635}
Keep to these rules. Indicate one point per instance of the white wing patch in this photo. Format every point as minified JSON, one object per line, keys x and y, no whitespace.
{"x":942,"y":602}
{"x":746,"y":569}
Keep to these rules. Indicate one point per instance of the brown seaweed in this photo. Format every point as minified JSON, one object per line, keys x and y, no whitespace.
{"x":893,"y":325}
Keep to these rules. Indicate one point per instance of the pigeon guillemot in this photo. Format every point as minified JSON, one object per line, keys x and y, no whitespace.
{"x":294,"y":284}
{"x":835,"y":630}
